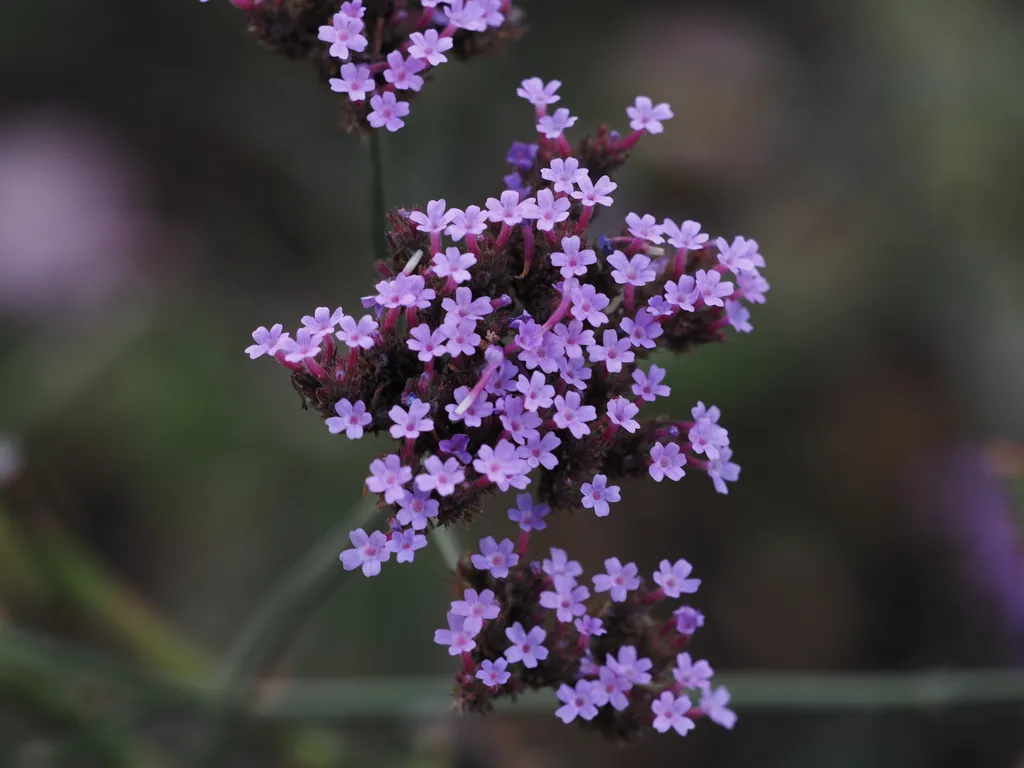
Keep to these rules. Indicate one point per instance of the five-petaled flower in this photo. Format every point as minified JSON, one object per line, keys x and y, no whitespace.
{"x":597,"y":495}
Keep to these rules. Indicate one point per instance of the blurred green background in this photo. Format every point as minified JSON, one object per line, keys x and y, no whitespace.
{"x":166,"y":185}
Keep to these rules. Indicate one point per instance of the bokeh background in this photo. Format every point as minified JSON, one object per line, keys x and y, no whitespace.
{"x":166,"y":185}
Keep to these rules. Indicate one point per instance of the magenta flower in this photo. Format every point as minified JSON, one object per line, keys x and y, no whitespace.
{"x":686,"y":235}
{"x":509,"y":209}
{"x":688,"y":620}
{"x":576,"y":702}
{"x":403,"y":544}
{"x":351,"y":418}
{"x":564,"y":173}
{"x":566,"y":599}
{"x":552,"y":126}
{"x":429,"y":47}
{"x":560,"y":564}
{"x":572,"y":261}
{"x":526,"y":646}
{"x":427,"y":344}
{"x":670,"y":713}
{"x":708,"y":285}
{"x":387,"y":477}
{"x":722,"y":471}
{"x":642,"y":330}
{"x":673,"y":578}
{"x":612,"y":351}
{"x":410,"y":424}
{"x":587,"y":304}
{"x":713,"y":704}
{"x":441,"y":476}
{"x":644,"y":115}
{"x":693,"y":674}
{"x":368,"y":552}
{"x":538,"y":451}
{"x":267,"y":342}
{"x":611,"y":688}
{"x":536,"y":391}
{"x":537,"y":93}
{"x":458,"y":639}
{"x":529,"y":514}
{"x":472,"y":221}
{"x":648,"y":385}
{"x":356,"y":81}
{"x":345,"y":34}
{"x":416,"y":509}
{"x":495,"y":558}
{"x":435,"y":219}
{"x":645,"y":227}
{"x":617,"y":580}
{"x":667,"y":461}
{"x":598,"y":495}
{"x":454,"y":264}
{"x":548,"y":210}
{"x":477,"y":607}
{"x":357,"y":334}
{"x":591,"y":193}
{"x":630,"y":665}
{"x":493,"y":673}
{"x":571,"y":415}
{"x":387,"y":112}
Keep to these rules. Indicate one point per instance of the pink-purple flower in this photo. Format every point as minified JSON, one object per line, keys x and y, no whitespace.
{"x":351,"y":419}
{"x":670,"y":713}
{"x":673,"y":578}
{"x":494,"y":557}
{"x":387,"y":112}
{"x":597,"y":495}
{"x":644,"y":115}
{"x":527,"y":647}
{"x":368,"y":552}
{"x":667,"y":461}
{"x":617,"y":580}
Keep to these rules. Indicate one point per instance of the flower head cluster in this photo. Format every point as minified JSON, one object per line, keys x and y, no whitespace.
{"x":513,"y":356}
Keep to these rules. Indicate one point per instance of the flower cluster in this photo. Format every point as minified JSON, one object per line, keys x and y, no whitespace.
{"x":510,"y":357}
{"x":378,"y":52}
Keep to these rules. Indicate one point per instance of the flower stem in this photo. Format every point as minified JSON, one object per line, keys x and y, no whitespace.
{"x":446,"y":542}
{"x":377,"y":198}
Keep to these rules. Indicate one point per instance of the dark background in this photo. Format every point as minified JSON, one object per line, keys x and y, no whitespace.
{"x":166,"y":185}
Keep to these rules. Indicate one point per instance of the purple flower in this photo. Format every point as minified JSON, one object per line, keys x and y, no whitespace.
{"x":471,"y":221}
{"x":368,"y":552}
{"x":648,"y":385}
{"x":475,"y":414}
{"x":644,"y":115}
{"x":520,"y":424}
{"x":573,"y":338}
{"x":454,"y":264}
{"x":565,"y":174}
{"x":305,"y":345}
{"x":552,"y":126}
{"x":267,"y":342}
{"x":658,"y":306}
{"x":502,"y":465}
{"x":477,"y":607}
{"x":357,"y":334}
{"x":462,"y":336}
{"x":493,"y":673}
{"x":666,"y":461}
{"x":617,"y":580}
{"x":509,"y":210}
{"x":587,"y":304}
{"x":706,"y":435}
{"x":741,"y":256}
{"x":514,"y":183}
{"x":429,"y":47}
{"x":537,"y":93}
{"x":670,"y":712}
{"x":526,"y":647}
{"x":688,"y":620}
{"x":613,"y":351}
{"x":611,"y":688}
{"x":644,"y":227}
{"x":387,"y":112}
{"x":435,"y":219}
{"x":441,"y":476}
{"x":588,"y":667}
{"x":388,"y":477}
{"x":560,"y":564}
{"x":634,"y":271}
{"x":529,"y":514}
{"x":672,"y":578}
{"x":410,"y":424}
{"x":590,"y":626}
{"x":322,"y":322}
{"x":345,"y":34}
{"x":495,"y":558}
{"x":572,"y":261}
{"x":405,"y":543}
{"x":538,"y":450}
{"x":709,"y":286}
{"x":630,"y":666}
{"x":754,"y":286}
{"x":643,"y":330}
{"x":722,"y":471}
{"x":466,"y":14}
{"x":416,"y":509}
{"x":691,"y":674}
{"x":548,"y":210}
{"x":536,"y":391}
{"x":458,"y":639}
{"x":356,"y":81}
{"x":681,"y":293}
{"x":571,"y":415}
{"x":457,"y":445}
{"x":599,"y":494}
{"x":465,"y":307}
{"x":402,"y":72}
{"x":390,"y":293}
{"x":426,"y":343}
{"x":575,"y":372}
{"x":566,"y":599}
{"x":545,"y":355}
{"x":576,"y":702}
{"x":686,"y":235}
{"x":522,"y":155}
{"x":738,"y":316}
{"x":351,"y":418}
{"x":713,"y":704}
{"x":353,"y":8}
{"x":591,"y":193}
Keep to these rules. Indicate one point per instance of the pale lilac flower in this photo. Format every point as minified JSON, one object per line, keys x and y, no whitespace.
{"x":644,"y":227}
{"x":475,"y":414}
{"x":564,"y":173}
{"x":429,"y":47}
{"x":618,"y":579}
{"x":454,"y":264}
{"x":368,"y":552}
{"x":412,"y":423}
{"x":403,"y":544}
{"x":706,"y":435}
{"x":493,"y":17}
{"x":598,"y":494}
{"x":754,"y":286}
{"x":714,"y":705}
{"x":435,"y":219}
{"x":457,"y":445}
{"x":709,"y":286}
{"x":741,"y":256}
{"x":458,"y":639}
{"x":573,"y":337}
{"x":466,"y":14}
{"x":355,"y":80}
{"x":576,"y":702}
{"x":345,"y":34}
{"x":590,"y":626}
{"x":477,"y":607}
{"x":529,"y":333}
{"x":388,"y":476}
{"x":560,"y":564}
{"x":529,"y":514}
{"x":472,"y":221}
{"x":402,"y":72}
{"x":634,"y":271}
{"x":536,"y":391}
{"x":572,"y":261}
{"x":465,"y":307}
{"x":493,"y":673}
{"x":441,"y":476}
{"x":594,"y":193}
{"x":526,"y":646}
{"x":537,"y":451}
{"x":462,"y":337}
{"x":495,"y":558}
{"x":722,"y":471}
{"x":644,"y":115}
{"x":387,"y":112}
{"x":390,"y":293}
{"x":353,"y":8}
{"x":351,"y":418}
{"x":621,"y":412}
{"x":572,"y":415}
{"x":642,"y":330}
{"x":588,"y":667}
{"x":267,"y":342}
{"x":357,"y":334}
{"x":681,"y":293}
{"x":426,"y":343}
{"x":545,"y":356}
{"x":686,"y":235}
{"x":612,"y":351}
{"x":630,"y":665}
{"x":667,"y":461}
{"x":510,"y":209}
{"x":587,"y":304}
{"x":521,"y":424}
{"x":673,"y":578}
{"x":574,"y":372}
{"x":566,"y":599}
{"x":658,"y":306}
{"x":670,"y":713}
{"x":648,"y":385}
{"x":693,"y":674}
{"x":552,"y":126}
{"x":416,"y":509}
{"x":322,"y":322}
{"x":611,"y":688}
{"x":688,"y":620}
{"x":305,"y":345}
{"x":548,"y":210}
{"x":738,"y":316}
{"x":537,"y":93}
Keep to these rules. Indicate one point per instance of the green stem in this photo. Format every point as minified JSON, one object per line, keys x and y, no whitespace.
{"x":377,"y":202}
{"x":268,"y":631}
{"x":447,"y":544}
